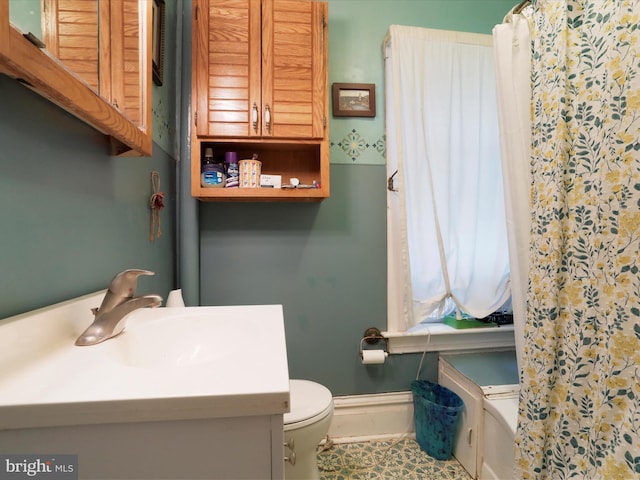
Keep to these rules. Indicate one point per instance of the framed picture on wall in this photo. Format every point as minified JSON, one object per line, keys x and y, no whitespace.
{"x":354,"y":99}
{"x":157,"y":40}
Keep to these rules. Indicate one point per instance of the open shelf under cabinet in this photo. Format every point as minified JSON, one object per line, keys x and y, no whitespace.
{"x":307,"y":161}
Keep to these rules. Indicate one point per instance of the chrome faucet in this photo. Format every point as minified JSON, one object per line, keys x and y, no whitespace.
{"x":119,"y":301}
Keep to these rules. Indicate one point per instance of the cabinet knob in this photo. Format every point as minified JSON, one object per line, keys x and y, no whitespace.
{"x":267,"y":117}
{"x":291,"y":458}
{"x":254,"y":117}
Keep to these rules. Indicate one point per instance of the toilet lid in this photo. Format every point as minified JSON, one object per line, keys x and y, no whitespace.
{"x":308,"y":399}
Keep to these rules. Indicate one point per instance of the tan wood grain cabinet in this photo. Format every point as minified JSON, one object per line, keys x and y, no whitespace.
{"x":260,"y":86}
{"x":93,"y":61}
{"x":100,"y":42}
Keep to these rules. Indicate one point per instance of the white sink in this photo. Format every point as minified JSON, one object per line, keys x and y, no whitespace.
{"x":182,"y":393}
{"x":183,"y":339}
{"x":168,"y":364}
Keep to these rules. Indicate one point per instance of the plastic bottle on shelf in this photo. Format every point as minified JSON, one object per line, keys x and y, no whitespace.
{"x":213,"y":175}
{"x":233,"y":171}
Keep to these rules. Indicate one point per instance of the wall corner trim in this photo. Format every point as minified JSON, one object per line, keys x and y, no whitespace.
{"x":372,"y":417}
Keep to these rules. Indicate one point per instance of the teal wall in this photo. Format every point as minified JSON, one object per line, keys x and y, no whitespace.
{"x":71,"y":216}
{"x":357,"y":29}
{"x":326,"y":263}
{"x":25,"y":15}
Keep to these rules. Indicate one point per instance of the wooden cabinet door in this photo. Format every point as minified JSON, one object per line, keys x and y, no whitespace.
{"x":226,"y":67}
{"x":127,"y":91}
{"x":260,"y":68}
{"x":100,"y":42}
{"x":71,"y":34}
{"x":294,"y":84}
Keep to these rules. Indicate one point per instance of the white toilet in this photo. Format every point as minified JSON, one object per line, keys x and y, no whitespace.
{"x":304,"y":427}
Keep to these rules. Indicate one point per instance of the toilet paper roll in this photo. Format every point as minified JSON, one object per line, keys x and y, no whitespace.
{"x":373,"y":357}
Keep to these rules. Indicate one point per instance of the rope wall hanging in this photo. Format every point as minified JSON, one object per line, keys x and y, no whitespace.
{"x":156,"y":203}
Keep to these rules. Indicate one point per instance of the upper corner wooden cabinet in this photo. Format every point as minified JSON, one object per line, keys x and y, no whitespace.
{"x":260,"y":86}
{"x":92,"y":58}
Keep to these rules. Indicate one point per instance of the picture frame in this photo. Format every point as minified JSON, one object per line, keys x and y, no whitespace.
{"x":354,"y":99}
{"x":157,"y":43}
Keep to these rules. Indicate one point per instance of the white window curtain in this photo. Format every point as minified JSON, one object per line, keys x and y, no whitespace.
{"x":447,"y":236}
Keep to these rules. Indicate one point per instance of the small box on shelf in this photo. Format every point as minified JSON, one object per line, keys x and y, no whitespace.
{"x":270,"y":181}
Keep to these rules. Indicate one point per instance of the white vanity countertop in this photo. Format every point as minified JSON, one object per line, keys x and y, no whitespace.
{"x":226,"y":362}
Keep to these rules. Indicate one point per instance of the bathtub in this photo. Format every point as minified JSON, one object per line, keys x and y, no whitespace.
{"x":487,"y":382}
{"x":500,"y":421}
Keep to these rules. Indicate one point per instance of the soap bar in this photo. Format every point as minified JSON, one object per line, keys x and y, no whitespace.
{"x":271,"y":181}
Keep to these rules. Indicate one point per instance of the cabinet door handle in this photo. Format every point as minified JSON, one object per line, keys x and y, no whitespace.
{"x":267,"y":117}
{"x":470,"y":434}
{"x":291,"y":458}
{"x":254,"y":117}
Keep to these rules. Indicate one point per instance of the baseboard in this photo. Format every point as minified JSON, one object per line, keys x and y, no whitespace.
{"x":371,"y":417}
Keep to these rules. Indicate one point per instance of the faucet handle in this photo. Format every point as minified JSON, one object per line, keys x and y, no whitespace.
{"x":124,"y":284}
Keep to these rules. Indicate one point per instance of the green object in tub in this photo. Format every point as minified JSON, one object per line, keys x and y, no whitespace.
{"x":467,"y":322}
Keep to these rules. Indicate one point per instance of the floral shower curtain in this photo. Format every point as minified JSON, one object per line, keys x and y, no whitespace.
{"x":579,"y":406}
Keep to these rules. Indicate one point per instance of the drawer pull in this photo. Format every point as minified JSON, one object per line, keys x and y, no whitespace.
{"x":291,"y":458}
{"x":254,"y":117}
{"x":267,"y":117}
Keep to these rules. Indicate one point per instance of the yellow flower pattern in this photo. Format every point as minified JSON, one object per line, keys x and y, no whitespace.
{"x":580,"y":398}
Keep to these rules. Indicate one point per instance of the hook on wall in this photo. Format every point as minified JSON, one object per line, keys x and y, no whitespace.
{"x":391,"y":187}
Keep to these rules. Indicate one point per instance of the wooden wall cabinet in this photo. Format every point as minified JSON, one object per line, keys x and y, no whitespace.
{"x":116,"y":97}
{"x":100,"y":42}
{"x":260,"y":85}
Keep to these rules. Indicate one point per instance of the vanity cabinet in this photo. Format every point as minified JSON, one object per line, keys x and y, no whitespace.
{"x":259,"y":85}
{"x":194,"y":392}
{"x":247,"y":448}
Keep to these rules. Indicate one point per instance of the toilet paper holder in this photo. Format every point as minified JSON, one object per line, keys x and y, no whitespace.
{"x":372,"y":336}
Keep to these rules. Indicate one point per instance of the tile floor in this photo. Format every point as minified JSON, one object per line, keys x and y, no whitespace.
{"x":385,"y":460}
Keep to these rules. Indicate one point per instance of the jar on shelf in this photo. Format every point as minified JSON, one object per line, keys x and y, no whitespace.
{"x":250,"y":170}
{"x":212,"y":175}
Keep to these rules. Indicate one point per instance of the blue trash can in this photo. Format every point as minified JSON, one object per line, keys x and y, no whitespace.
{"x":436,"y":413}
